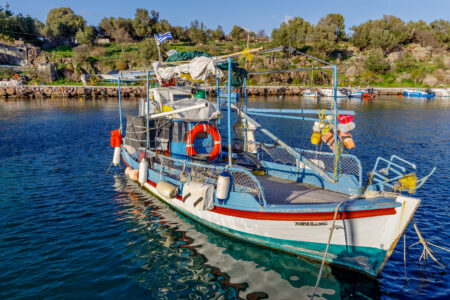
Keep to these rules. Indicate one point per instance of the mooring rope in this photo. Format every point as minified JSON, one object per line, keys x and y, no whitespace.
{"x":404,"y":256}
{"x":326,"y":250}
{"x":426,"y":249}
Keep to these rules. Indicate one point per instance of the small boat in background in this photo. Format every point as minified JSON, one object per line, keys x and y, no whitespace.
{"x":223,"y":94}
{"x":363,"y":94}
{"x":341,"y":93}
{"x":125,"y":76}
{"x":311,"y":94}
{"x":419,"y":93}
{"x":442,"y":92}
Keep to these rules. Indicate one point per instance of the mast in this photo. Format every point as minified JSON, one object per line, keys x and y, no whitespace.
{"x":148,"y":111}
{"x":335,"y":114}
{"x":157,"y":46}
{"x":229,"y":111}
{"x":120,"y":104}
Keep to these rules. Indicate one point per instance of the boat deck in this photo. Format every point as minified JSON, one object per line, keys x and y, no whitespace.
{"x":282,"y":191}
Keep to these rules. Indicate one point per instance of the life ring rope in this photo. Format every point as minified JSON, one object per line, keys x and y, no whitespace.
{"x":211,"y":130}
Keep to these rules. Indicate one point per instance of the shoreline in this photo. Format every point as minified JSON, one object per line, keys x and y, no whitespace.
{"x":75,"y":91}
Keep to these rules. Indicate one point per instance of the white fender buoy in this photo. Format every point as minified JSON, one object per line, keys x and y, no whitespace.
{"x":116,"y":157}
{"x":143,"y":168}
{"x":127,"y":171}
{"x":346,"y":127}
{"x":223,"y":186}
{"x":166,"y":189}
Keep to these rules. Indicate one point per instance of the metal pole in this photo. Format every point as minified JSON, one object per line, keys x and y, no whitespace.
{"x":148,"y":112}
{"x":245,"y":94}
{"x":120,"y":105}
{"x":229,"y":111}
{"x":218,"y":97}
{"x":157,"y":46}
{"x":245,"y":110}
{"x":296,"y":111}
{"x":335,"y":113}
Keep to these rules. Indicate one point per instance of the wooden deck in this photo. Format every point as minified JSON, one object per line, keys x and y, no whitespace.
{"x":282,"y":191}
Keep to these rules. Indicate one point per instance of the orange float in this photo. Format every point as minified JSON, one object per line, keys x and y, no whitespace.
{"x":347,"y":139}
{"x":116,"y":138}
{"x":328,"y":138}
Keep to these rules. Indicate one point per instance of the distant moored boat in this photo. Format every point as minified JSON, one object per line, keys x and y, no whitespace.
{"x":419,"y":93}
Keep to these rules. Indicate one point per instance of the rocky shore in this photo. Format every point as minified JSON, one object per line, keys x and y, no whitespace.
{"x":39,"y":92}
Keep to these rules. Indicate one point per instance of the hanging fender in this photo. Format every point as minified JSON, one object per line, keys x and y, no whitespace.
{"x":347,"y":139}
{"x":116,"y":138}
{"x":211,"y":130}
{"x":328,"y":138}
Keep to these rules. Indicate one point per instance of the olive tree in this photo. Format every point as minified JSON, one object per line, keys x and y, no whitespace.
{"x":63,"y":23}
{"x":295,"y":33}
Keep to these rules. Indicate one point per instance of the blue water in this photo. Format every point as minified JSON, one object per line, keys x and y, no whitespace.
{"x":70,"y":231}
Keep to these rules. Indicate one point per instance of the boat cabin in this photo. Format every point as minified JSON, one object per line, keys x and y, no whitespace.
{"x":169,"y":132}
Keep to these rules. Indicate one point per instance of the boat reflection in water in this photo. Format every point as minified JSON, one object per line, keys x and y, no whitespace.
{"x":179,"y":257}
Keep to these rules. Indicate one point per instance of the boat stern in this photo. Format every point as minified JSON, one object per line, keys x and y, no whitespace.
{"x":396,"y":225}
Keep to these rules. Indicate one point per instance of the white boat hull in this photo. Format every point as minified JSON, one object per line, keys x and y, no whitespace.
{"x":362,"y":244}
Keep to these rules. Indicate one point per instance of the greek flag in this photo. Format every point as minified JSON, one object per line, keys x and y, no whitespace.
{"x":163,"y":37}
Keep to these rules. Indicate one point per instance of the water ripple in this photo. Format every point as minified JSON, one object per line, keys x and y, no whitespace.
{"x":69,"y":231}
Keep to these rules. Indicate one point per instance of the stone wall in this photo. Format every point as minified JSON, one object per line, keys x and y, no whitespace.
{"x":43,"y":91}
{"x":36,"y":91}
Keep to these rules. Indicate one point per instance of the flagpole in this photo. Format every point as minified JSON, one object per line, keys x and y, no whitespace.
{"x":157,"y":46}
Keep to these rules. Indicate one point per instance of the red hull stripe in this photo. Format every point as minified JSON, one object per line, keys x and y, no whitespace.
{"x":276,"y":216}
{"x":319,"y":216}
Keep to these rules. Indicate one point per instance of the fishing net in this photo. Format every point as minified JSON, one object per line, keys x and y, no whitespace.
{"x":242,"y":180}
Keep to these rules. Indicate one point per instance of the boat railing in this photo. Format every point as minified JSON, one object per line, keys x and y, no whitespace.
{"x":347,"y":164}
{"x":388,"y":173}
{"x":243,"y":180}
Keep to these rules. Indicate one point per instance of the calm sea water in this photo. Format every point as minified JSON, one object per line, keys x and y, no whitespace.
{"x":70,"y":231}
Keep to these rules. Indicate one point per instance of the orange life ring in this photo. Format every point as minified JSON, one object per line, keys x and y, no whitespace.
{"x":210,"y":130}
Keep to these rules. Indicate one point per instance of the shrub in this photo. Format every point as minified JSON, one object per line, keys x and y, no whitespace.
{"x":439,"y":62}
{"x":405,"y":64}
{"x":375,"y":62}
{"x":81,"y":53}
{"x":121,"y":65}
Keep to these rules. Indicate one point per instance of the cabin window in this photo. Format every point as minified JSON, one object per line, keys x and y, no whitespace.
{"x":179,"y":97}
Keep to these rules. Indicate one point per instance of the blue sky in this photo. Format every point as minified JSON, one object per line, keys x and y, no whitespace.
{"x":250,"y":14}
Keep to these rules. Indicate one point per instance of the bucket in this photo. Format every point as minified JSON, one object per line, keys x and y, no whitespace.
{"x":200,"y":94}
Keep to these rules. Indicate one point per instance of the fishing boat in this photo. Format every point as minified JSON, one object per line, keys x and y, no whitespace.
{"x":363,"y":94}
{"x":125,"y":76}
{"x":311,"y":94}
{"x":244,"y":181}
{"x":419,"y":93}
{"x":341,"y":93}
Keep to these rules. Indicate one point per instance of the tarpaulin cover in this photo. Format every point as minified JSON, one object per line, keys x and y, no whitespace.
{"x":186,"y":55}
{"x":202,"y":114}
{"x":200,"y":68}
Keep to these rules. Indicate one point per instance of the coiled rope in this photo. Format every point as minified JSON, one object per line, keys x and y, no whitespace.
{"x":326,"y":249}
